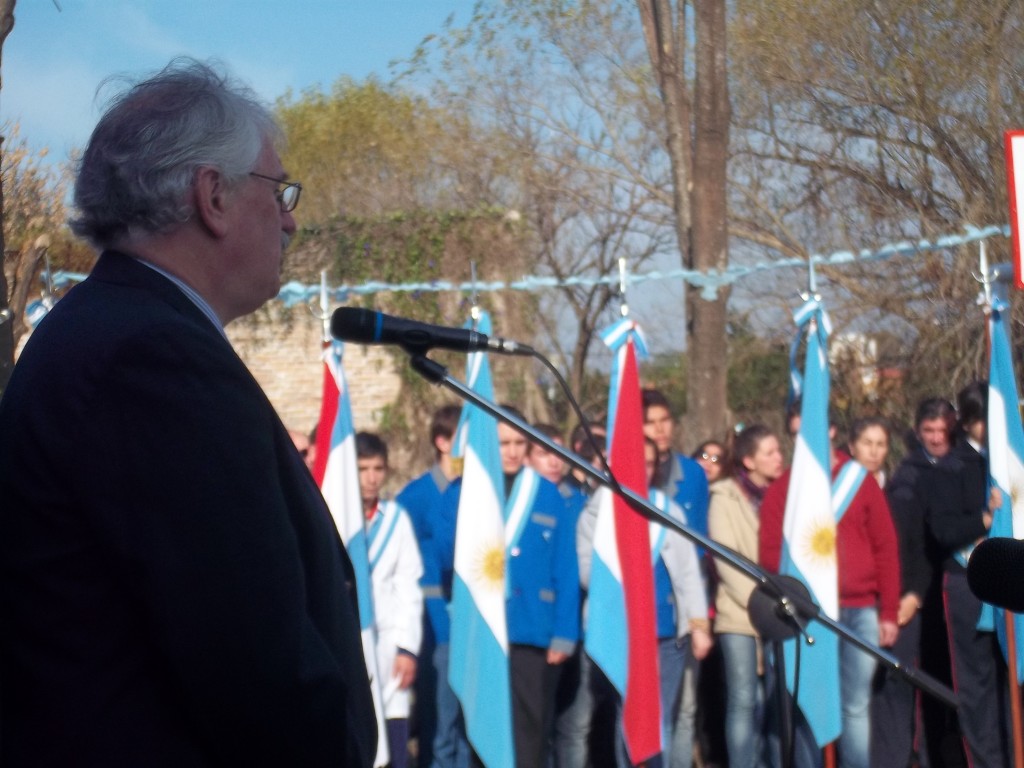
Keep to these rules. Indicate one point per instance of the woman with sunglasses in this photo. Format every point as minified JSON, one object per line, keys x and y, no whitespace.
{"x":712,"y":457}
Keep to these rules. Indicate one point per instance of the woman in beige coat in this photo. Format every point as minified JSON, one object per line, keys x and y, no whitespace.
{"x":733,"y":521}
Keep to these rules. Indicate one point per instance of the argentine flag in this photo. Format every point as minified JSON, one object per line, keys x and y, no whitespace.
{"x":338,"y":476}
{"x":478,"y":653}
{"x":809,"y":535}
{"x":1006,"y":463}
{"x":621,"y":633}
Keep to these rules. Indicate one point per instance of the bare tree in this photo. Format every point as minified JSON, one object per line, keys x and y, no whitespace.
{"x":862,"y":123}
{"x":574,"y":133}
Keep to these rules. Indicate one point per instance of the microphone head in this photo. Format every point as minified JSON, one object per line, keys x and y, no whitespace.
{"x":995,"y":573}
{"x":355,"y":324}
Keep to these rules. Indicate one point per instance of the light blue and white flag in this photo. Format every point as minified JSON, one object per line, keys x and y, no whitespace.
{"x":478,"y":653}
{"x":1006,"y":464}
{"x":340,"y":488}
{"x":809,"y":535}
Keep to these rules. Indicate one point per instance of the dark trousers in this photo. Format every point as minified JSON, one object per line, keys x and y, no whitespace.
{"x":784,"y":721}
{"x":398,"y":741}
{"x":424,"y":713}
{"x":979,"y":677}
{"x":533,"y":683}
{"x":894,"y":713}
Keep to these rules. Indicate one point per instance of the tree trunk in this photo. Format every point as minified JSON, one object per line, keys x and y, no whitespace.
{"x":668,"y":59}
{"x":6,"y":326}
{"x":706,"y":397}
{"x":701,"y":213}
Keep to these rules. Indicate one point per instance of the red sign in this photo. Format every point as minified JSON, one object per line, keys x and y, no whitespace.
{"x":1015,"y":195}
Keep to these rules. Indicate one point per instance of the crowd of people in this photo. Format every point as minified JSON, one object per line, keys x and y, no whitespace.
{"x":901,"y":539}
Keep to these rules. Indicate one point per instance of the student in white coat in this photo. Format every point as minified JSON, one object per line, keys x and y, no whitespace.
{"x":395,"y":570}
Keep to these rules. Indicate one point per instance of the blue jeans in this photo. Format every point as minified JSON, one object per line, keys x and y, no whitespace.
{"x":451,"y":749}
{"x":856,"y":669}
{"x":674,"y":656}
{"x":573,"y":724}
{"x":744,"y":703}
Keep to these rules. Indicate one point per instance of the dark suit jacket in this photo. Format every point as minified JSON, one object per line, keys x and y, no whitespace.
{"x":957,"y":500}
{"x":907,"y":492}
{"x":172,"y":587}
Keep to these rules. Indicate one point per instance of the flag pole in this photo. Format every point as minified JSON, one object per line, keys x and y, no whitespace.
{"x":623,"y":286}
{"x":329,"y":394}
{"x":474,"y":309}
{"x":325,"y":308}
{"x":988,"y":278}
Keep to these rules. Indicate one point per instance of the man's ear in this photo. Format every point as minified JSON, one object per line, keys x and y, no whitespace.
{"x":210,"y":198}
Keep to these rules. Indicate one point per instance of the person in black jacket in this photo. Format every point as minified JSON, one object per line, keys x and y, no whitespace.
{"x":959,"y":514}
{"x":173,"y":591}
{"x":894,"y":737}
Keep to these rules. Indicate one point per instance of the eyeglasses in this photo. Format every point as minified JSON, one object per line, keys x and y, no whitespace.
{"x":714,"y":458}
{"x":288,"y":195}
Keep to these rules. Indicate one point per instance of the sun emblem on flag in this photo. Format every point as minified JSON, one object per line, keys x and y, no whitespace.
{"x":820,"y":542}
{"x":489,"y":566}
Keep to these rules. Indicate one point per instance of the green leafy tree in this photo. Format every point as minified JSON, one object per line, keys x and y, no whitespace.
{"x":366,"y":149}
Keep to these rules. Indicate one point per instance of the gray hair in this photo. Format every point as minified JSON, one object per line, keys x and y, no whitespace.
{"x":141,"y":159}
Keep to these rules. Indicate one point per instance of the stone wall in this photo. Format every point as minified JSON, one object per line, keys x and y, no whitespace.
{"x":282,"y":349}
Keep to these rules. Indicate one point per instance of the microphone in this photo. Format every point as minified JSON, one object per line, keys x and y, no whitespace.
{"x":367,"y":326}
{"x":994,"y":573}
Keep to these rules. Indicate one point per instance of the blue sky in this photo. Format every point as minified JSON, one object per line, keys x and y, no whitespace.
{"x":54,"y":60}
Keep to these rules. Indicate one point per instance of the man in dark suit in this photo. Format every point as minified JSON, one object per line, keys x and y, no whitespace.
{"x":172,"y":588}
